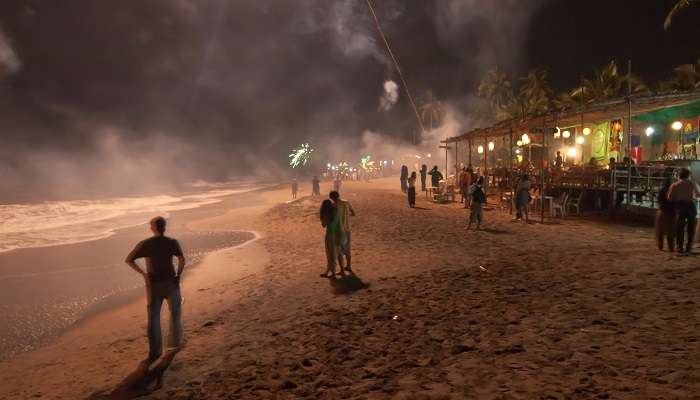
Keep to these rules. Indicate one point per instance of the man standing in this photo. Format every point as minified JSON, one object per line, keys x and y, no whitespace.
{"x":162,"y":283}
{"x":683,"y":194}
{"x":435,"y":176}
{"x":558,"y":161}
{"x":423,"y":176}
{"x":315,"y":186}
{"x":295,"y":188}
{"x":345,"y":211}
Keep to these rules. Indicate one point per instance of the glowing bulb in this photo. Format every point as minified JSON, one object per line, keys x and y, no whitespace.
{"x":579,"y":140}
{"x":557,"y":134}
{"x":480,"y":149}
{"x":566,"y":134}
{"x":678,"y":125}
{"x":491,"y":146}
{"x":526,"y":138}
{"x":649,"y":131}
{"x":517,"y":151}
{"x":519,"y":143}
{"x":586,"y":131}
{"x":429,"y":155}
{"x":571,"y":152}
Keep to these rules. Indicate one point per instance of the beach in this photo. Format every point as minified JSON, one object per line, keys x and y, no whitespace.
{"x":576,"y":308}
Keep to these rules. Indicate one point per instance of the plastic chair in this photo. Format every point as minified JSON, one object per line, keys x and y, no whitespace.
{"x":559,"y":204}
{"x":575,"y":203}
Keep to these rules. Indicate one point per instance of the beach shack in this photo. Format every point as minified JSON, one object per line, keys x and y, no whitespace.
{"x":604,"y":156}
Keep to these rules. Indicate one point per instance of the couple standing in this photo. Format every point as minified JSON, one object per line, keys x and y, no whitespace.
{"x":335,"y":217}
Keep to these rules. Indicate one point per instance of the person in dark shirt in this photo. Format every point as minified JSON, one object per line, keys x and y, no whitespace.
{"x":423,"y":176}
{"x":435,"y":176}
{"x":665,"y":218}
{"x":162,"y":283}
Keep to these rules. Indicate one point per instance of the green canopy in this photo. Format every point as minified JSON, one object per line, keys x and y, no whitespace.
{"x":669,"y":114}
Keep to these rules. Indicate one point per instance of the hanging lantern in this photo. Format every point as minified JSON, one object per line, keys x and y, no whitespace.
{"x":586,"y":131}
{"x":579,"y":140}
{"x":678,"y":125}
{"x":566,"y":134}
{"x":526,"y":138}
{"x":519,"y":143}
{"x":480,"y":149}
{"x":491,"y":146}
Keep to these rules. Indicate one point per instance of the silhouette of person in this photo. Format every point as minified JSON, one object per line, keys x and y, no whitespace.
{"x":423,"y":176}
{"x":295,"y":188}
{"x":345,"y":211}
{"x":315,"y":186}
{"x":162,"y":283}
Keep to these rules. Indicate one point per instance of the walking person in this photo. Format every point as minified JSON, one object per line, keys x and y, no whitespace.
{"x":345,"y":211}
{"x":522,"y":197}
{"x":295,"y":188}
{"x":665,"y":218}
{"x":465,"y":182}
{"x":404,"y":178}
{"x":330,"y":220}
{"x":412,"y":190}
{"x":337,"y":182}
{"x":423,"y":176}
{"x":315,"y":186}
{"x":683,"y":194}
{"x":478,"y":198}
{"x":162,"y":283}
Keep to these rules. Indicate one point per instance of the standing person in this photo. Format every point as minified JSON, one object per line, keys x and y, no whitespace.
{"x":478,"y":196}
{"x":559,"y":161}
{"x":465,"y":181}
{"x":315,"y":186}
{"x":337,"y":182}
{"x":522,"y":199}
{"x":345,"y":211}
{"x":295,"y":188}
{"x":423,"y":176}
{"x":404,"y":178}
{"x":412,"y":190}
{"x":683,"y":194}
{"x":665,"y":218}
{"x":435,"y":176}
{"x":330,"y":220}
{"x":162,"y":283}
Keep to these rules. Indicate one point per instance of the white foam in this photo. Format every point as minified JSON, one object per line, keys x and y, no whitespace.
{"x":66,"y":222}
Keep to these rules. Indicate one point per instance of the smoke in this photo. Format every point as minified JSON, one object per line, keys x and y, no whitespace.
{"x":390,"y":95}
{"x":9,"y":63}
{"x":170,"y":91}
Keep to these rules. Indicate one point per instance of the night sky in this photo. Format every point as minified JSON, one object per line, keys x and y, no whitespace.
{"x":161,"y":91}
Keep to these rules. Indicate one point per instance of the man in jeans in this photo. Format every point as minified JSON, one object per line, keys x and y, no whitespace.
{"x":345,"y":211}
{"x":683,"y":194}
{"x":162,"y":283}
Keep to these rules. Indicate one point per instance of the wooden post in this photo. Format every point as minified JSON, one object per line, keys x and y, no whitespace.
{"x":544,"y":145}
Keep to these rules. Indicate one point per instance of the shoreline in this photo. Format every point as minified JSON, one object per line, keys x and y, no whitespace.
{"x":18,"y":259}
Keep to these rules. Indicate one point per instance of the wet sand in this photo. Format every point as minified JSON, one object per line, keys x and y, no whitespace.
{"x":572,"y":309}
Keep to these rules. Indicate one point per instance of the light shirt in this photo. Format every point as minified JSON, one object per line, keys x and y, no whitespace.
{"x":345,"y":211}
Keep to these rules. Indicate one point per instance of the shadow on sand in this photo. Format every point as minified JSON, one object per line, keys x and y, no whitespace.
{"x":347,"y":283}
{"x":496,"y":231}
{"x":144,"y":380}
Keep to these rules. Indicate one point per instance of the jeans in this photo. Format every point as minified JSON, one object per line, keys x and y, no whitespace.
{"x":411,"y":196}
{"x":686,"y":222}
{"x":157,"y":292}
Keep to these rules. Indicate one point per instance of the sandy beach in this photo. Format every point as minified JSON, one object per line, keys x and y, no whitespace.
{"x":576,"y":308}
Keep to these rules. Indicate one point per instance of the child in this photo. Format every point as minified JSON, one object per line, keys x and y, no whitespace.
{"x":478,"y":198}
{"x":412,"y":190}
{"x":665,"y":218}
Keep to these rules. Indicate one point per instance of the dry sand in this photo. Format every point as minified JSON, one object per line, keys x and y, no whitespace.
{"x":574,"y":309}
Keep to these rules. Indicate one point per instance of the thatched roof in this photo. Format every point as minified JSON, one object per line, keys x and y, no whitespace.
{"x":591,"y":113}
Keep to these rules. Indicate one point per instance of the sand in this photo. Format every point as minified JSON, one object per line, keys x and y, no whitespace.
{"x":576,"y":308}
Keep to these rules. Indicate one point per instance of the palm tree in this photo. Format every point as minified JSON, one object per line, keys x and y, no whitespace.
{"x":676,"y":9}
{"x":535,"y":92}
{"x":496,"y":88}
{"x":430,"y":109}
{"x":608,"y":83}
{"x":685,"y":77}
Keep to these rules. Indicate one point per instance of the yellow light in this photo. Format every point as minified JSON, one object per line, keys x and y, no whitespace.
{"x":519,"y":143}
{"x":571,"y":152}
{"x":526,"y":138}
{"x":557,"y":134}
{"x":491,"y":146}
{"x":678,"y":125}
{"x":566,"y":134}
{"x":480,"y":149}
{"x":586,"y":131}
{"x":579,"y":140}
